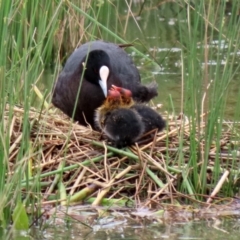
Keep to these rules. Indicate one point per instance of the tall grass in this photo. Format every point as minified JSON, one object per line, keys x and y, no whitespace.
{"x":37,"y":36}
{"x":207,"y":82}
{"x":28,"y":33}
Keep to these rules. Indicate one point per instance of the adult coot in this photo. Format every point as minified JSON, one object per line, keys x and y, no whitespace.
{"x":122,"y":126}
{"x":93,"y":68}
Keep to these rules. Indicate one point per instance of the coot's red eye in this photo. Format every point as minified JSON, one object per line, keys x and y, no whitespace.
{"x":95,"y":70}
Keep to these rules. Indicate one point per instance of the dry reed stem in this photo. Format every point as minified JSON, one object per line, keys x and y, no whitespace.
{"x":108,"y":186}
{"x":78,"y":180}
{"x":158,"y":193}
{"x":218,"y":186}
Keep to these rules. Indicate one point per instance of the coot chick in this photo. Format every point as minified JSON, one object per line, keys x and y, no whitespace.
{"x":104,"y":64}
{"x":150,"y":118}
{"x":126,"y":96}
{"x":122,"y":126}
{"x":113,"y":101}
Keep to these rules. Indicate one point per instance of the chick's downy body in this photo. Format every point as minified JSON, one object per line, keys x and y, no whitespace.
{"x":122,"y":126}
{"x":150,"y":118}
{"x":113,"y":101}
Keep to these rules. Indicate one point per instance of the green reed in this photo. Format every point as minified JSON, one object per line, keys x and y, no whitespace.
{"x":206,"y":84}
{"x":26,"y":45}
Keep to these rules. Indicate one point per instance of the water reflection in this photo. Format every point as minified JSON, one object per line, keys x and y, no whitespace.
{"x":214,"y":229}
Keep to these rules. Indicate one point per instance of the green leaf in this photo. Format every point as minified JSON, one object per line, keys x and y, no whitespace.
{"x":20,"y":218}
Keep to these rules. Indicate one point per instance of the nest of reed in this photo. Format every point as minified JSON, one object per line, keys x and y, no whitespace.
{"x":73,"y":163}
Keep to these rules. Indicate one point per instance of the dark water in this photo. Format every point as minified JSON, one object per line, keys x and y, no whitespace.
{"x":156,"y":33}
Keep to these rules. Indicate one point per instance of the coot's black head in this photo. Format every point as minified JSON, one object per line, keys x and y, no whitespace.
{"x":97,"y":68}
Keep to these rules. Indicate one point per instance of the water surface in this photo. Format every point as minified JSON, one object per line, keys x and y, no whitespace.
{"x":212,"y":229}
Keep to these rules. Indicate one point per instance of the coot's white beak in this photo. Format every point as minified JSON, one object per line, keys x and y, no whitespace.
{"x":104,"y":73}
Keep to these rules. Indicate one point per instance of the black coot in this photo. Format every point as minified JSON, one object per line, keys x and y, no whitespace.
{"x":105,"y":64}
